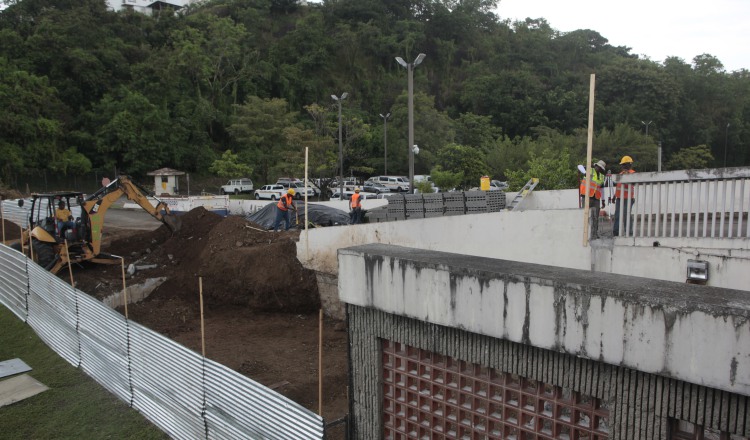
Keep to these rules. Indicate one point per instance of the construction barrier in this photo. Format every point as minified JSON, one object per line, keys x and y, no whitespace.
{"x":184,"y":394}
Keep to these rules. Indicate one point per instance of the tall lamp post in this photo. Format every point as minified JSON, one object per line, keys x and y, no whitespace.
{"x":385,"y":141}
{"x":646,"y":124}
{"x":341,"y":149}
{"x":726,"y":135}
{"x":410,"y":68}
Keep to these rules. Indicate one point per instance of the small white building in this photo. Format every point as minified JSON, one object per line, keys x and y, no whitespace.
{"x":166,"y":181}
{"x":147,"y":6}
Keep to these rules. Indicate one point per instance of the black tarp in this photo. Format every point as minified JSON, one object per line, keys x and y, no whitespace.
{"x":319,"y":215}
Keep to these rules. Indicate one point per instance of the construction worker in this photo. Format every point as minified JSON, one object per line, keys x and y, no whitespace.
{"x":355,"y":204}
{"x":286,"y":202}
{"x":624,"y":191}
{"x":64,"y":218}
{"x":594,"y":192}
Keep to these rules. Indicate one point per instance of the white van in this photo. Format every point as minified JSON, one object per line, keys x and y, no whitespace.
{"x":394,"y":183}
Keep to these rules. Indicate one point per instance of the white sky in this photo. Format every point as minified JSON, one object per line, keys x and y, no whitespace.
{"x":655,"y":28}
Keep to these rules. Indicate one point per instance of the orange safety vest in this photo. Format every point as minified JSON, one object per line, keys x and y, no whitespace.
{"x":285,"y":206}
{"x":356,"y":200}
{"x":593,"y":190}
{"x":622,"y":190}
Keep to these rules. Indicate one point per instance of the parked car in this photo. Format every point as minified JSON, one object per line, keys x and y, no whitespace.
{"x":273,"y":192}
{"x":287,"y":180}
{"x":299,"y":190}
{"x":236,"y":186}
{"x":375,"y":187}
{"x":496,"y":185}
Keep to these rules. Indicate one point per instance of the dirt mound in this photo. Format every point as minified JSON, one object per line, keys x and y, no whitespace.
{"x":241,"y":264}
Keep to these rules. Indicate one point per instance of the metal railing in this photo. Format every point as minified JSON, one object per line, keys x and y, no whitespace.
{"x":184,"y":394}
{"x":712,"y":203}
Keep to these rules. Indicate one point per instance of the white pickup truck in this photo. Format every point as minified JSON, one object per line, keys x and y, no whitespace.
{"x":273,"y":192}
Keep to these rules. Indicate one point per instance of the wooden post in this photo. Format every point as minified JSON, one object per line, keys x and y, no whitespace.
{"x":203,"y":332}
{"x":2,"y":218}
{"x":70,"y":267}
{"x":589,"y":148}
{"x":124,"y":287}
{"x":320,"y":363}
{"x":307,"y":235}
{"x":23,"y":246}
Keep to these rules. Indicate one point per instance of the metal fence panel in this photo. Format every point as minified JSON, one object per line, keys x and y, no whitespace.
{"x":12,"y":212}
{"x":104,"y":346}
{"x":167,"y":383}
{"x":52,"y":312}
{"x":14,"y":284}
{"x":237,"y":407}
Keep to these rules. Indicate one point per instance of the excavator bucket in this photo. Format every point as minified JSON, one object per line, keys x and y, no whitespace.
{"x":173,"y":222}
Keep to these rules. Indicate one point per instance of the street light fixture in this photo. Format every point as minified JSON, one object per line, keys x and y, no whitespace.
{"x":341,"y":149}
{"x":646,"y":124}
{"x":726,"y":134}
{"x":410,"y":69}
{"x":385,"y":141}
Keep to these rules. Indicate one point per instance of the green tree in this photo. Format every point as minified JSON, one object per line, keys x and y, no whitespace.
{"x":446,"y":180}
{"x":463,"y":160}
{"x":258,"y":127}
{"x":691,"y":158}
{"x":230,"y":166}
{"x":554,"y":169}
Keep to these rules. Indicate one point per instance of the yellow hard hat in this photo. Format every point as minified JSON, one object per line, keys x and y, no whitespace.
{"x":356,"y":190}
{"x":626,"y":159}
{"x":291,"y":191}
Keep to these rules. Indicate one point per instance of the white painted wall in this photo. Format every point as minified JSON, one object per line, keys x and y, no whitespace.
{"x":542,"y":237}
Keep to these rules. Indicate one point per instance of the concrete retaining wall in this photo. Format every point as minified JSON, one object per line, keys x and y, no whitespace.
{"x":694,"y":333}
{"x":650,"y":350}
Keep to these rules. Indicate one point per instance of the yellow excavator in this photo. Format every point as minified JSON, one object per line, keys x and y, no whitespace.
{"x":54,"y":242}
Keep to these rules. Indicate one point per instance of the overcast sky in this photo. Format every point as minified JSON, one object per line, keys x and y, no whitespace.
{"x":655,"y":28}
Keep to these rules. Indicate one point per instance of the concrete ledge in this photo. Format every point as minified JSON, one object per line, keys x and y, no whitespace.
{"x":694,"y":333}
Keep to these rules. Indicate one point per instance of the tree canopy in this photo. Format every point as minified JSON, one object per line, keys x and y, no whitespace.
{"x":84,"y":88}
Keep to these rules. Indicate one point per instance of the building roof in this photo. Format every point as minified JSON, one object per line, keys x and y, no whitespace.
{"x":166,"y":172}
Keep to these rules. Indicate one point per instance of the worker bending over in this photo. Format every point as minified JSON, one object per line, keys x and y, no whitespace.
{"x":286,"y":202}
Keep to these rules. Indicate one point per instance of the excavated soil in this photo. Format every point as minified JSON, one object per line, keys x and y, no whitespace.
{"x":261,"y":307}
{"x":11,"y":230}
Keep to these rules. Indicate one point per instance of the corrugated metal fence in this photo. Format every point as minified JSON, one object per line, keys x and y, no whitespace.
{"x":184,"y":394}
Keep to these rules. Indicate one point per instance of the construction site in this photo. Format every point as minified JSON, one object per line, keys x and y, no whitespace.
{"x":513,"y":324}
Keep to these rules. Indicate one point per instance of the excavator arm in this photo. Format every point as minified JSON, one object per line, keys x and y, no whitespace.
{"x":97,"y":204}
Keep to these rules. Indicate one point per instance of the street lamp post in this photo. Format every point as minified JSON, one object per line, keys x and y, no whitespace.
{"x":410,"y":69}
{"x":385,"y":141}
{"x":341,"y":149}
{"x":726,"y":135}
{"x":646,"y":124}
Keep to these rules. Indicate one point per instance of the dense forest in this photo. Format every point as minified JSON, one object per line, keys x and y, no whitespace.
{"x":243,"y":87}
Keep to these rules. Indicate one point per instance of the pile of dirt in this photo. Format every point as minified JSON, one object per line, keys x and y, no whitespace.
{"x":240,"y":263}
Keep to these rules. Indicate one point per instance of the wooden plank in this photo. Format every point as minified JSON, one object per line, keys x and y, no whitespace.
{"x":12,"y":367}
{"x":19,"y":388}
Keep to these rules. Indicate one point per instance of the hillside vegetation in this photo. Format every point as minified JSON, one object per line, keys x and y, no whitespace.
{"x":247,"y":84}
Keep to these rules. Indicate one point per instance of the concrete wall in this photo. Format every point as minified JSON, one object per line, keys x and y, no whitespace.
{"x":652,"y":352}
{"x":553,"y":238}
{"x":693,"y":333}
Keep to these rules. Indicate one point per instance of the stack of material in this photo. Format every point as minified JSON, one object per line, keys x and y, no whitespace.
{"x":377,"y":215}
{"x":414,"y":206}
{"x":434,"y":205}
{"x":476,"y":201}
{"x":495,"y":201}
{"x":454,"y":203}
{"x":396,"y":207}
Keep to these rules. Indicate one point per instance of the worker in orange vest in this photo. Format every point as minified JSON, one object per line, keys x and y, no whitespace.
{"x":623,"y":191}
{"x":286,"y":202}
{"x":355,"y":204}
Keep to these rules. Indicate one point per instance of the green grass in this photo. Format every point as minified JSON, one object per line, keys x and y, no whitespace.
{"x":75,"y":406}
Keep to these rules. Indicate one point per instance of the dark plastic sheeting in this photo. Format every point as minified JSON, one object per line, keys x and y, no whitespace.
{"x":320,"y":215}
